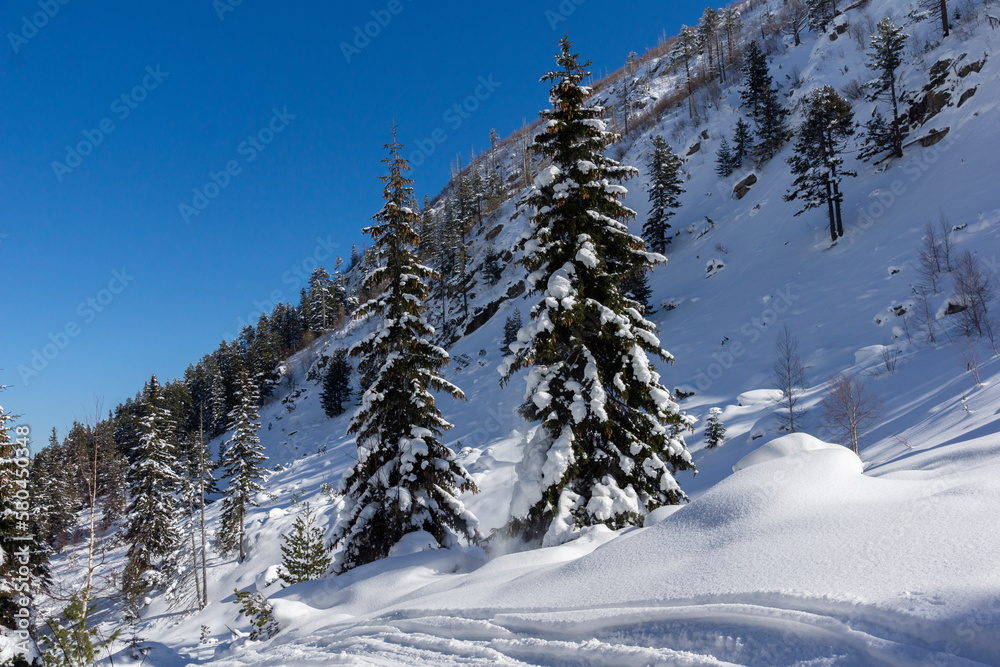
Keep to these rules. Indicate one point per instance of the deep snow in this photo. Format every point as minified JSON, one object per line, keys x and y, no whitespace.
{"x":805,"y":555}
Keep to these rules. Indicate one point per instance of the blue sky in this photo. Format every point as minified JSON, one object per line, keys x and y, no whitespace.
{"x":114,"y":268}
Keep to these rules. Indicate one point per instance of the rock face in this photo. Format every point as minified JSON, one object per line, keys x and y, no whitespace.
{"x":934,"y":137}
{"x":968,"y":68}
{"x":694,"y":149}
{"x":484,"y":314}
{"x":492,"y":234}
{"x":741,"y":189}
{"x":965,"y":96}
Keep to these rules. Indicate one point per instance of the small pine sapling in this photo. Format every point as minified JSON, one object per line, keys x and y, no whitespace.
{"x":715,"y":432}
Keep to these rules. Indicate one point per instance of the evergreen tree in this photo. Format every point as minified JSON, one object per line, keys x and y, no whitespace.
{"x":306,"y":310}
{"x":937,"y":9}
{"x":336,"y":384}
{"x":304,"y":556}
{"x":885,"y":58}
{"x":879,"y":137}
{"x":756,"y":78}
{"x":635,"y":286}
{"x":510,"y":328}
{"x":771,"y":129}
{"x":492,"y":270}
{"x":217,"y":403}
{"x":715,"y":432}
{"x":685,"y":49}
{"x":817,"y":163}
{"x":405,"y":479}
{"x":821,"y":12}
{"x":761,"y":100}
{"x":742,"y":143}
{"x":708,"y":33}
{"x":151,"y":531}
{"x":664,"y":190}
{"x":602,"y":453}
{"x":725,"y":163}
{"x":243,"y":464}
{"x":53,"y":494}
{"x":322,"y":300}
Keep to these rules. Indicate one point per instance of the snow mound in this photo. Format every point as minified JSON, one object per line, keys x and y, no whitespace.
{"x":414,"y":543}
{"x":759,"y":397}
{"x":793,"y":444}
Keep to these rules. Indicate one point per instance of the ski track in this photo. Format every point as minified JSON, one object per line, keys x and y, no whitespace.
{"x":723,"y":633}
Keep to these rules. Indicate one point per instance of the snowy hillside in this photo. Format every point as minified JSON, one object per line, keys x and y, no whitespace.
{"x":806,"y":555}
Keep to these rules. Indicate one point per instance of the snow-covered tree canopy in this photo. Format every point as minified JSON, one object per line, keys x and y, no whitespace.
{"x":609,"y":442}
{"x":405,"y":479}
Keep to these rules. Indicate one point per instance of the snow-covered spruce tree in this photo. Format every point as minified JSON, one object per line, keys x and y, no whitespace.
{"x":510,"y":328}
{"x":603,"y":452}
{"x":686,"y":49}
{"x":937,"y":9}
{"x":724,"y":162}
{"x":879,"y":137}
{"x":151,"y":529}
{"x":635,"y":286}
{"x":761,"y":100}
{"x":715,"y":432}
{"x":336,"y":384}
{"x":322,"y":300}
{"x":818,"y":157}
{"x":821,"y":12}
{"x":756,"y":78}
{"x":885,"y":58}
{"x":243,"y":464}
{"x":217,"y":402}
{"x":664,"y":190}
{"x":405,"y":479}
{"x":742,"y":143}
{"x":304,"y":556}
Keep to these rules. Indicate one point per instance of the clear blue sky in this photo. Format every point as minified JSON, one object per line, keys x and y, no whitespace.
{"x":100,"y":263}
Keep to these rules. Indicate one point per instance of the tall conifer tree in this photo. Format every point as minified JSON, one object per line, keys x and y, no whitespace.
{"x":243,"y":464}
{"x":152,"y":533}
{"x":664,"y":190}
{"x":405,"y":479}
{"x":818,"y":161}
{"x":607,"y":447}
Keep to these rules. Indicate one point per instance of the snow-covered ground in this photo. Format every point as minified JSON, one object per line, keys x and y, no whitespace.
{"x":807,"y":555}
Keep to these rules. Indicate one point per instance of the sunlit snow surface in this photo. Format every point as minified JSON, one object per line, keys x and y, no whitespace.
{"x":804,"y":556}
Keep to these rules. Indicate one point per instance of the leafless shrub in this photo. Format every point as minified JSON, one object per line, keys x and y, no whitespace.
{"x":789,"y":376}
{"x":854,"y":90}
{"x":976,"y":288}
{"x":970,"y":358}
{"x":890,"y":356}
{"x":924,"y":315}
{"x":850,"y":408}
{"x":944,"y":243}
{"x":929,"y":257}
{"x":721,"y":248}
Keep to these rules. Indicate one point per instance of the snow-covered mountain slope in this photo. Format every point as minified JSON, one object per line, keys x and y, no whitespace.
{"x":811,"y":557}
